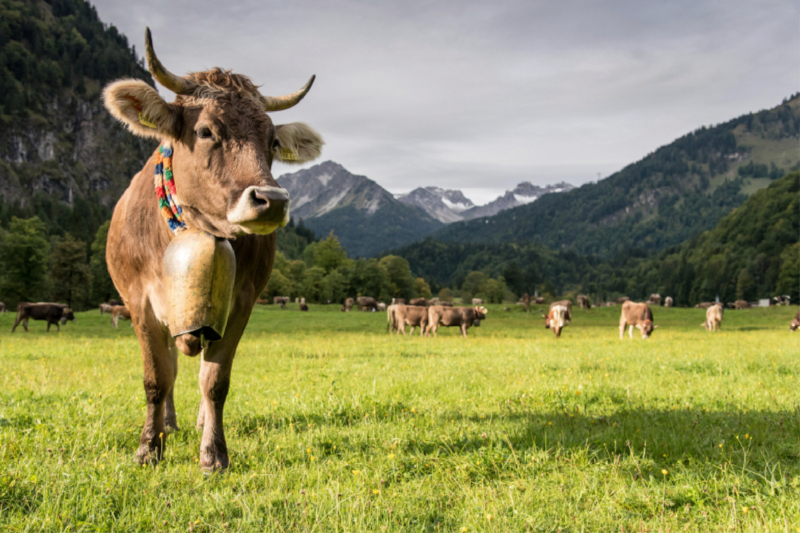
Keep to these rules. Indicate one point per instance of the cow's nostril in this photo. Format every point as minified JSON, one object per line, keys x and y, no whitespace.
{"x":260,"y":198}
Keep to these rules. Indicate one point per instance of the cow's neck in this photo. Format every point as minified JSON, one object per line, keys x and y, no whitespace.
{"x":165,"y":189}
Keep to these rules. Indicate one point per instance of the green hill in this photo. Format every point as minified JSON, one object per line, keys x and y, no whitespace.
{"x":669,"y":196}
{"x":752,"y":253}
{"x":62,"y":157}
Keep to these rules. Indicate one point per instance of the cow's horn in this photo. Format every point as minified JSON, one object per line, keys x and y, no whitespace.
{"x":279,"y":103}
{"x":166,"y":78}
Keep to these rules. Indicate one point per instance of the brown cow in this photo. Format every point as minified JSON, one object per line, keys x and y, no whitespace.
{"x":367,"y":303}
{"x":463,"y":317}
{"x":408,"y":315}
{"x":348,"y":304}
{"x":106,"y":309}
{"x":714,"y":317}
{"x":557,"y":318}
{"x":280,"y":300}
{"x":583,"y":301}
{"x":795,"y":323}
{"x":704,"y":305}
{"x":420,"y":302}
{"x":562,"y":303}
{"x":303,"y":306}
{"x":638,"y":315}
{"x":52,"y":313}
{"x":622,"y":300}
{"x":223,"y":145}
{"x":741,"y":304}
{"x":398,"y":301}
{"x":120,"y":311}
{"x":3,"y":307}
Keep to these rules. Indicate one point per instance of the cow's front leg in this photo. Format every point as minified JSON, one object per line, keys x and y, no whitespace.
{"x":159,"y":377}
{"x":630,"y":331}
{"x":621,"y":330}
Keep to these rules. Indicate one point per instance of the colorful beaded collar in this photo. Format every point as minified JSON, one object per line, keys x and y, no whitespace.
{"x":165,"y":189}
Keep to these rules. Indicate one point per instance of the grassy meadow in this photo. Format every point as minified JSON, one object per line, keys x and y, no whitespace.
{"x":333,"y":426}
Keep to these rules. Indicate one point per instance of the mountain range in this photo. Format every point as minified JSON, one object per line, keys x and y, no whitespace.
{"x":448,"y":205}
{"x":368,"y":219}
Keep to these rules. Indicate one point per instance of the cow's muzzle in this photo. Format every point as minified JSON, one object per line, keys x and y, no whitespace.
{"x":261,"y":210}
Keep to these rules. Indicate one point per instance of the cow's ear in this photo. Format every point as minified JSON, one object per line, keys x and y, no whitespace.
{"x":297,"y":143}
{"x":141,"y":109}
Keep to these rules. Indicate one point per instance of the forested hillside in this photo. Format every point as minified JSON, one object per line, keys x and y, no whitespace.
{"x":62,"y":157}
{"x":752,"y":253}
{"x":669,"y":196}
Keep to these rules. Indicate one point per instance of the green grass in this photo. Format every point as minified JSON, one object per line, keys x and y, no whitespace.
{"x":334,"y":426}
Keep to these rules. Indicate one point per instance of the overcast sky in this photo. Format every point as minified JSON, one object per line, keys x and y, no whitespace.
{"x":481,"y":95}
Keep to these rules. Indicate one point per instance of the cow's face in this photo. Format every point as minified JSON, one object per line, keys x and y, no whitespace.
{"x":67,"y":315}
{"x":480,"y":314}
{"x":794,"y":325}
{"x":223,"y":144}
{"x":647,"y":328}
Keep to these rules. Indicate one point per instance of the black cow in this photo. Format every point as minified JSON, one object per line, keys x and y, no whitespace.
{"x":52,"y":313}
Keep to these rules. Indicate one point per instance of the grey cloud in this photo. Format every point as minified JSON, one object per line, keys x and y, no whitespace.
{"x":480,"y":95}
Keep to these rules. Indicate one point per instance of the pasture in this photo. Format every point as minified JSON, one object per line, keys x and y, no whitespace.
{"x":333,"y":426}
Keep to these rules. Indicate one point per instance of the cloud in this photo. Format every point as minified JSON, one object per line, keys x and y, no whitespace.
{"x":481,"y":95}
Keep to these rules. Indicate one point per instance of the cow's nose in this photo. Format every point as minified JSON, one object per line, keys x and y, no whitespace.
{"x":269,"y":204}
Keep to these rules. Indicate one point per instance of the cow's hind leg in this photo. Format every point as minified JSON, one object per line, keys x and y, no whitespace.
{"x":630,"y":331}
{"x":170,"y":416}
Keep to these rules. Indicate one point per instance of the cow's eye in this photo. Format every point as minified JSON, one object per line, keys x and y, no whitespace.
{"x":204,"y":133}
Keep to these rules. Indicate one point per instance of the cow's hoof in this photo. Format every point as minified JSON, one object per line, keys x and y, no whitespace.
{"x":213,"y":462}
{"x":147,"y":455}
{"x":171,"y":426}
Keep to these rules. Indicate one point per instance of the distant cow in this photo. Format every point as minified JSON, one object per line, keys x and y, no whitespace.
{"x":398,"y":301}
{"x":112,"y":303}
{"x":783,"y":299}
{"x":348,"y":304}
{"x":795,"y":323}
{"x":381,"y":306}
{"x":557,"y":318}
{"x":668,"y":301}
{"x":408,"y":315}
{"x":52,"y":313}
{"x":419,"y":302}
{"x":462,"y":317}
{"x":3,"y":307}
{"x":538,"y":300}
{"x":704,"y":305}
{"x":622,"y":300}
{"x":105,"y":309}
{"x":367,"y":303}
{"x":568,"y":317}
{"x":477,"y":301}
{"x":638,"y":315}
{"x":714,"y":317}
{"x":741,"y":304}
{"x":119,"y":311}
{"x":281,"y":300}
{"x":584,"y":302}
{"x":655,"y":299}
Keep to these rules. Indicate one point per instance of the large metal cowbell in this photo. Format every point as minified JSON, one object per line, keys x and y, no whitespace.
{"x":199,"y":271}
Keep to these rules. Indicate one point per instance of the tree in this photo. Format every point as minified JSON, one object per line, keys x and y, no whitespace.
{"x":311,"y":286}
{"x":278,"y":285}
{"x":69,"y":271}
{"x":328,"y":254}
{"x":474,"y":283}
{"x":103,"y":288}
{"x":401,"y":281}
{"x":446,"y":295}
{"x":334,"y":287}
{"x":367,"y":278}
{"x":421,"y":289}
{"x":23,"y":253}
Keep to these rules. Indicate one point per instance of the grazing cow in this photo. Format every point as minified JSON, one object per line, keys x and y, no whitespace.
{"x":557,"y":318}
{"x":348,"y":304}
{"x":655,"y":299}
{"x":3,"y":307}
{"x":463,"y":317}
{"x":668,"y":301}
{"x":112,"y":303}
{"x":419,"y":302}
{"x":477,"y":301}
{"x":120,"y":311}
{"x":567,"y":317}
{"x":714,"y":317}
{"x":217,"y":148}
{"x":52,"y":313}
{"x":303,"y":306}
{"x":584,"y":302}
{"x":795,"y":323}
{"x":704,"y":305}
{"x":783,"y":299}
{"x":409,"y":315}
{"x":538,"y":300}
{"x":367,"y":303}
{"x":280,"y":300}
{"x":106,"y":309}
{"x":622,"y":300}
{"x":638,"y":315}
{"x":398,"y":301}
{"x":381,"y":306}
{"x":741,"y":304}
